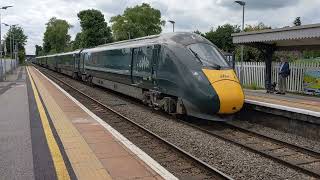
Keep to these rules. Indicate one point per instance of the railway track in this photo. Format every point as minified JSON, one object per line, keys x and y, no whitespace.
{"x":179,"y":162}
{"x":299,"y":158}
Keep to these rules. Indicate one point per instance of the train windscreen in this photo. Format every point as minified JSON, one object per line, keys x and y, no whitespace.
{"x":208,"y":55}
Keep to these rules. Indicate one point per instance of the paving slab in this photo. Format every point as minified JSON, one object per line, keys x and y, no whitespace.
{"x":16,"y":159}
{"x":88,"y":143}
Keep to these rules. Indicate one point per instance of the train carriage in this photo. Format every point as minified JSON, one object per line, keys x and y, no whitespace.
{"x":181,"y":73}
{"x":67,"y":63}
{"x":51,"y":62}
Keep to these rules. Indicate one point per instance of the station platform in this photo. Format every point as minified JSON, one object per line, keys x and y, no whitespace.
{"x":305,"y":107}
{"x":47,"y":134}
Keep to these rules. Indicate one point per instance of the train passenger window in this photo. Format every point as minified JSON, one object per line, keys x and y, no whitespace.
{"x":117,"y":59}
{"x":208,"y":55}
{"x":87,"y":59}
{"x":94,"y":59}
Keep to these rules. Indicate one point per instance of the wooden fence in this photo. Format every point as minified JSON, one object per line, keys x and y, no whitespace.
{"x":254,"y":74}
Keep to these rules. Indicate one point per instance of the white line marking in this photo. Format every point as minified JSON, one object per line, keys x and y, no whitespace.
{"x":286,"y":108}
{"x":133,"y":148}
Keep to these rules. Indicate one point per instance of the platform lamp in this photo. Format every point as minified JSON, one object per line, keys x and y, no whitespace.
{"x":12,"y":43}
{"x":172,"y":22}
{"x":2,"y":8}
{"x":243,"y":4}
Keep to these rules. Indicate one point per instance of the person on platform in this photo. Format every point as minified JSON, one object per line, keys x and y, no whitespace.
{"x":284,"y":72}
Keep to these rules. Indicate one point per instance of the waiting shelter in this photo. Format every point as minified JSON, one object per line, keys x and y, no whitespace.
{"x":297,"y":38}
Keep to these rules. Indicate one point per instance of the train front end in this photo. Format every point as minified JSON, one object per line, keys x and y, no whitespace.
{"x":224,"y":92}
{"x":226,"y":84}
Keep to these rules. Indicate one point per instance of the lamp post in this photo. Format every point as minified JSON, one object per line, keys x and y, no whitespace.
{"x":172,"y":22}
{"x":1,"y":8}
{"x":243,"y":4}
{"x":12,"y":40}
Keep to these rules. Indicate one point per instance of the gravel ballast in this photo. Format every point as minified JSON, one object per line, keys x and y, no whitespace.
{"x":228,"y":158}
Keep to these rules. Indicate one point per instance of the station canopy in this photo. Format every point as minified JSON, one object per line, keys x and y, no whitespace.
{"x":306,"y":37}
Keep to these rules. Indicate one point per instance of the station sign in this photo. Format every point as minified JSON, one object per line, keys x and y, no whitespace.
{"x":311,"y":82}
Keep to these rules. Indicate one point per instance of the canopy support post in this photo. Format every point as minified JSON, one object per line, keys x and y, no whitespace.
{"x":268,"y":54}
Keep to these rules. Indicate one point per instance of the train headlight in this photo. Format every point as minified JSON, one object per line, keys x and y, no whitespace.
{"x":197,"y":75}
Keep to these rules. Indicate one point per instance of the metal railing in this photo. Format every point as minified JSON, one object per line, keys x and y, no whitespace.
{"x":7,"y":66}
{"x":254,"y":74}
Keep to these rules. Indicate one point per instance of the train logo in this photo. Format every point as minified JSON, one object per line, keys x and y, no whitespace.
{"x":144,"y":63}
{"x":224,"y":76}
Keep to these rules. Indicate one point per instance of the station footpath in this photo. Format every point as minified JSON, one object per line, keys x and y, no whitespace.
{"x":306,"y":105}
{"x":47,"y":134}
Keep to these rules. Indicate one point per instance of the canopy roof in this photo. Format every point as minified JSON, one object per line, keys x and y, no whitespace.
{"x":306,"y":37}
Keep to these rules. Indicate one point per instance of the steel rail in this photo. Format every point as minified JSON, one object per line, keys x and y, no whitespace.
{"x":297,"y":167}
{"x":218,"y":173}
{"x":302,"y":150}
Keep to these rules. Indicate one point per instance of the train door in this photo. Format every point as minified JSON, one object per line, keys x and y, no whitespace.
{"x":134,"y":79}
{"x":76,"y":64}
{"x":56,"y":63}
{"x":141,"y":68}
{"x":155,"y":61}
{"x":82,"y":58}
{"x":74,"y":67}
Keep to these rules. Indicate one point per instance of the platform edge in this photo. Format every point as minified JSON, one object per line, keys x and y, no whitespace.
{"x":128,"y":144}
{"x":285,"y":108}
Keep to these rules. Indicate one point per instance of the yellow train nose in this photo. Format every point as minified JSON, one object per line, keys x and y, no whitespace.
{"x":228,"y":88}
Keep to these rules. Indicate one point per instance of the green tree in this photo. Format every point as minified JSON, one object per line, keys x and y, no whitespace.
{"x":95,"y":31}
{"x":222,"y":38}
{"x":16,"y":34}
{"x":297,"y":21}
{"x":77,"y":43}
{"x":311,"y":54}
{"x":39,"y":50}
{"x":138,"y":21}
{"x":258,"y":27}
{"x":198,"y":32}
{"x":22,"y":54}
{"x":56,"y":37}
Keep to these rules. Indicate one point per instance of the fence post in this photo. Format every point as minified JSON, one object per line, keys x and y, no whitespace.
{"x":233,"y":60}
{"x":1,"y":70}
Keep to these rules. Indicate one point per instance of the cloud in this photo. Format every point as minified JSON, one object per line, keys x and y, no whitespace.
{"x":259,"y":4}
{"x":112,"y":6}
{"x":190,"y":15}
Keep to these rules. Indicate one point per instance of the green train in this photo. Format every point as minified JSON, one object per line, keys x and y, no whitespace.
{"x":180,"y":73}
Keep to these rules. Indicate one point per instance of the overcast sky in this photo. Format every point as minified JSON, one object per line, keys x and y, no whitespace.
{"x":189,"y":15}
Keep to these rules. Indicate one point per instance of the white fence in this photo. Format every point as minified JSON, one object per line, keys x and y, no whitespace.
{"x":6,"y":65}
{"x":254,"y":74}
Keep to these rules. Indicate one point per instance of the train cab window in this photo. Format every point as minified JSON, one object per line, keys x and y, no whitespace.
{"x":208,"y":55}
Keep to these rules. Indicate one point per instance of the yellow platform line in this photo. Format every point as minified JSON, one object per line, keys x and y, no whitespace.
{"x":59,"y":164}
{"x":84,"y":162}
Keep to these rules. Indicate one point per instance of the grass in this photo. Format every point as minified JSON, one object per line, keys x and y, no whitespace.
{"x":251,"y":86}
{"x":307,"y":60}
